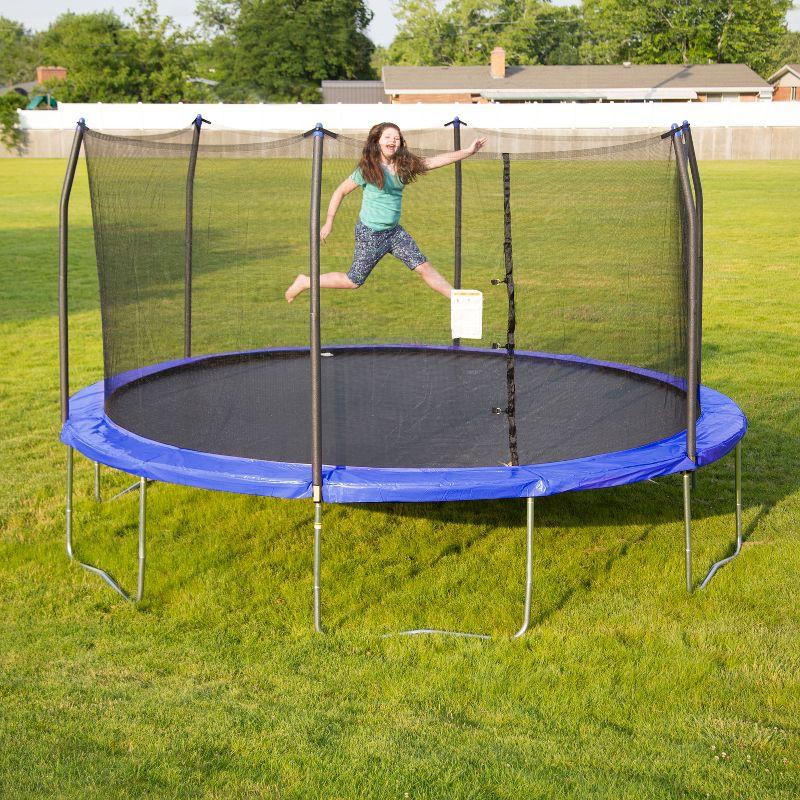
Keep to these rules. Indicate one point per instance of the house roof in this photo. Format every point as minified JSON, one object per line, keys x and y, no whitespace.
{"x":793,"y":68}
{"x":27,"y":86}
{"x":582,"y":80}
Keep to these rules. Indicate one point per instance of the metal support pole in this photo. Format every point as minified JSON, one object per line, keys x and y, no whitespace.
{"x":690,"y":220}
{"x":687,"y":525}
{"x":142,"y":541}
{"x":737,"y":454}
{"x":457,"y":123}
{"x":63,"y":269}
{"x":314,"y":314}
{"x":187,"y":239}
{"x":316,"y":359}
{"x":698,"y":202}
{"x":142,"y":528}
{"x":528,"y":570}
{"x":97,"y":497}
{"x":317,"y":564}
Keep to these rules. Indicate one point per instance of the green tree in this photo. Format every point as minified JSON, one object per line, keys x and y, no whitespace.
{"x":280,"y":51}
{"x":544,"y":34}
{"x":684,"y":31}
{"x":18,"y":53}
{"x":787,"y":52}
{"x":466,"y":31}
{"x":424,"y":35}
{"x":10,"y":133}
{"x":108,"y":60}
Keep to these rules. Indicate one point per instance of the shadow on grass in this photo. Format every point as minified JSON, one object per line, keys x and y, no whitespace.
{"x":600,"y":529}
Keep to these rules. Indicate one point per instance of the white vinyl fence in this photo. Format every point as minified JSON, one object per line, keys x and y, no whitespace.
{"x":759,"y":130}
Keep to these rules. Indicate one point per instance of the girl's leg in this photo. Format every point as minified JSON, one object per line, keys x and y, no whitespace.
{"x":433,"y":279}
{"x":328,"y":280}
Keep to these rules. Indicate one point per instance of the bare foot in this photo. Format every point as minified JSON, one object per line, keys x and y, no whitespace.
{"x":299,"y":284}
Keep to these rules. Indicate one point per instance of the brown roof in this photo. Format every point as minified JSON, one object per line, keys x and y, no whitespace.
{"x":703,"y":77}
{"x":795,"y":68}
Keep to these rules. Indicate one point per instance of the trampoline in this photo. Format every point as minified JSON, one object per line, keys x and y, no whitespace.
{"x":388,"y":421}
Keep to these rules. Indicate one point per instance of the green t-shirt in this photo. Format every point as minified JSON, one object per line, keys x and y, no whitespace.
{"x":380,"y":208}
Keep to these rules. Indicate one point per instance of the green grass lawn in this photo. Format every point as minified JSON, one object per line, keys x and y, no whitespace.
{"x":216,"y":687}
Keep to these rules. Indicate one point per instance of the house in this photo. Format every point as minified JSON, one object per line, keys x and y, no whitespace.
{"x":786,"y":82}
{"x":353,"y":92}
{"x":595,"y":83}
{"x":38,"y":98}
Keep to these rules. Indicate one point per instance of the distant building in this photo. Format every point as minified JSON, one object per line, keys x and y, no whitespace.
{"x":786,"y":82}
{"x":24,"y":88}
{"x":626,"y":83}
{"x":353,"y":92}
{"x":50,"y":74}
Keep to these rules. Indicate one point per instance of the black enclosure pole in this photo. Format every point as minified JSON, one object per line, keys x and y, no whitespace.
{"x":315,"y":338}
{"x":63,"y":258}
{"x":698,"y":201}
{"x":457,"y":123}
{"x":187,"y":239}
{"x":690,"y":220}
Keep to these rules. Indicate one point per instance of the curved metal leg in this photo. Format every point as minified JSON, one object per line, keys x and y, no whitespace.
{"x":420,"y":631}
{"x":687,"y":516}
{"x":142,"y":530}
{"x":737,"y":454}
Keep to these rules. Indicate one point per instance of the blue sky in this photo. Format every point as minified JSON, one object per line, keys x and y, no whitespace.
{"x":37,"y":14}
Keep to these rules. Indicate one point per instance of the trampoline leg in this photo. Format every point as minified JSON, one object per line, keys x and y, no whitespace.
{"x":97,"y":497}
{"x":96,"y":570}
{"x":687,"y":524}
{"x":528,"y":571}
{"x":317,"y":561}
{"x":528,"y":588}
{"x":737,"y":454}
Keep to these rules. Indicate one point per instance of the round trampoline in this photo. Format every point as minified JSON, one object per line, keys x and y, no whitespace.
{"x":589,"y":253}
{"x":580,"y":424}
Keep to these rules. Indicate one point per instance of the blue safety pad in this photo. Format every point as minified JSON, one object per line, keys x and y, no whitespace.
{"x":721,"y":425}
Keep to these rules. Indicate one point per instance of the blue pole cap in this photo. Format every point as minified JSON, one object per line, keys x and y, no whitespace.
{"x":319,"y":130}
{"x":198,"y":120}
{"x":81,"y":122}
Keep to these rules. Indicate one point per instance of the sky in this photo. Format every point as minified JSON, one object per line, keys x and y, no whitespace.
{"x":38,"y":14}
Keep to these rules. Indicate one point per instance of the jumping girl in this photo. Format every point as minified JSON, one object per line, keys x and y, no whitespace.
{"x":385,"y":168}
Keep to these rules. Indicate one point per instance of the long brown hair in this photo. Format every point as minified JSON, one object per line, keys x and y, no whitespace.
{"x":407,"y":165}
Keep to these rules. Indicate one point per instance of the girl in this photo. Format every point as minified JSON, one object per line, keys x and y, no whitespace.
{"x":385,"y":168}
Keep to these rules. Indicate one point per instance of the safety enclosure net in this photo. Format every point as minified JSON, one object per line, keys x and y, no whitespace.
{"x":578,"y":245}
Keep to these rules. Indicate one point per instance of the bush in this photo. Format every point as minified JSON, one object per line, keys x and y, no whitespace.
{"x":10,"y":132}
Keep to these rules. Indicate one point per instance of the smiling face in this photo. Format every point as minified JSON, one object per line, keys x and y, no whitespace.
{"x":389,"y":143}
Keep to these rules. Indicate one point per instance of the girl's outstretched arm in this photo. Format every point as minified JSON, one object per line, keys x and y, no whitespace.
{"x":339,"y":193}
{"x":434,"y":162}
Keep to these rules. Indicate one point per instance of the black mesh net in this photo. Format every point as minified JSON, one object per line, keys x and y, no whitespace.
{"x":202,"y":350}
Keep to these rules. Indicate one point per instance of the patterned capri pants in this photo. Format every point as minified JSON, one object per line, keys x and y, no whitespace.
{"x":371,"y":246}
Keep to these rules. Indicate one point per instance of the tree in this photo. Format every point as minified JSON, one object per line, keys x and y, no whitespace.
{"x":466,"y":31}
{"x":544,"y":34}
{"x":424,"y":35}
{"x":10,"y":134}
{"x":110,"y":61}
{"x":18,"y":54}
{"x":787,"y":52}
{"x":684,"y":31}
{"x":280,"y":51}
